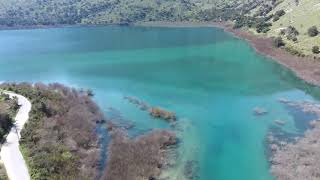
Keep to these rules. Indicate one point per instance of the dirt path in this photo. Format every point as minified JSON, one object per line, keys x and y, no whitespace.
{"x":10,"y":153}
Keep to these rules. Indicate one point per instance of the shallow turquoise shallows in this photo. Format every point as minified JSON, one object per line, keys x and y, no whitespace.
{"x":212,"y":81}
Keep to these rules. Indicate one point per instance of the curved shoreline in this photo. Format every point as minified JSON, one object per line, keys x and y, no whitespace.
{"x":10,"y":152}
{"x":306,"y":68}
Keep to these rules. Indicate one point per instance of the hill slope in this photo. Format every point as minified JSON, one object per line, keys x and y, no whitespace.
{"x":52,"y":12}
{"x":302,"y":16}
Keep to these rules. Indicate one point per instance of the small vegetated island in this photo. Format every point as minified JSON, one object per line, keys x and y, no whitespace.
{"x":59,"y":141}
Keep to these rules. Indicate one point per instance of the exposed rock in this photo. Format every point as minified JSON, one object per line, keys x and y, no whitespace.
{"x":283,"y":100}
{"x":280,"y":122}
{"x":259,"y":111}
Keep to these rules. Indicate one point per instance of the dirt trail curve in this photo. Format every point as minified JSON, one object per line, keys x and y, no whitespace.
{"x":10,"y":153}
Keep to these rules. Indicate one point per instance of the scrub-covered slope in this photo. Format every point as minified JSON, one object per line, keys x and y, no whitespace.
{"x":52,"y":12}
{"x":302,"y":15}
{"x":296,"y":22}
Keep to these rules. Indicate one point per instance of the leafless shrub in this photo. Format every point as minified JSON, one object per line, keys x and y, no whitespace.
{"x":137,"y":159}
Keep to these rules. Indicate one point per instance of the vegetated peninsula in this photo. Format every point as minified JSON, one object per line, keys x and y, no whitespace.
{"x":60,"y":140}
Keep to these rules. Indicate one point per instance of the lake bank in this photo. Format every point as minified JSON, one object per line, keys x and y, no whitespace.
{"x":306,"y":68}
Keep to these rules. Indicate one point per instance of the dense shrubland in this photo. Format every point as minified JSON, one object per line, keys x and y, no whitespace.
{"x":59,"y":141}
{"x":141,"y":158}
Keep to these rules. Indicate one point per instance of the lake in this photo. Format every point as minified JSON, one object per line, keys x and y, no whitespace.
{"x":211,"y":80}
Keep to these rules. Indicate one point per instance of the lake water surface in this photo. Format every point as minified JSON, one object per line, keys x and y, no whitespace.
{"x":212,"y":81}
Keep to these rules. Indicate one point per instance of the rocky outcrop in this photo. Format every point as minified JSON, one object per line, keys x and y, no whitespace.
{"x":258,"y":111}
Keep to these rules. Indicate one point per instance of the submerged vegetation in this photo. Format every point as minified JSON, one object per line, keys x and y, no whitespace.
{"x":155,"y":112}
{"x":299,"y":159}
{"x":58,"y":141}
{"x":141,"y":158}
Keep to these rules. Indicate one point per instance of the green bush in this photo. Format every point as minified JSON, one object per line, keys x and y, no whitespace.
{"x":315,"y":49}
{"x":275,"y":18}
{"x":263,"y":27}
{"x":294,"y":51}
{"x":292,"y":31}
{"x":280,"y":13}
{"x":278,"y":42}
{"x":313,"y":31}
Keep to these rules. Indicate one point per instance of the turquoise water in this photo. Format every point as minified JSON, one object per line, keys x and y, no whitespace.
{"x":210,"y":79}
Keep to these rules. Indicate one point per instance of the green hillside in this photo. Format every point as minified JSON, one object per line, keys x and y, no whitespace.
{"x":288,"y":19}
{"x":302,"y":16}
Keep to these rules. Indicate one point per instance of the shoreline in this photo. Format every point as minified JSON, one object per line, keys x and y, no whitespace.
{"x":305,"y":68}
